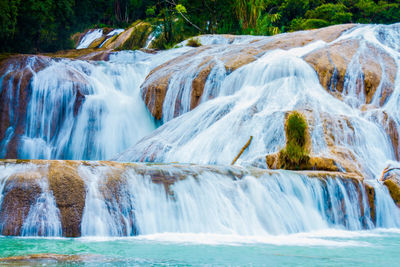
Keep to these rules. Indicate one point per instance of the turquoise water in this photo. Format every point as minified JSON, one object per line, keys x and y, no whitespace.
{"x":329,"y":248}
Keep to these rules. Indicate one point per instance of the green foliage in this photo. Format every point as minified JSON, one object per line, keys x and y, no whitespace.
{"x":295,"y":155}
{"x":8,"y":17}
{"x":150,"y":11}
{"x":46,"y":25}
{"x":368,"y":11}
{"x":194,"y":42}
{"x":267,"y":24}
{"x":332,"y":13}
{"x":248,"y":11}
{"x":180,"y":9}
{"x":307,"y":24}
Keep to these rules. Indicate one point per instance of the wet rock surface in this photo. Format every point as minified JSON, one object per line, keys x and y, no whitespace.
{"x":391,"y":179}
{"x":20,"y":192}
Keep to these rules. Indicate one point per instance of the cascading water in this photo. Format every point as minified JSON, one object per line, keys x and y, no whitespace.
{"x":211,"y":202}
{"x":84,"y":110}
{"x":254,"y":99}
{"x":110,"y":35}
{"x":89,"y":37}
{"x":94,"y":110}
{"x":58,"y":127}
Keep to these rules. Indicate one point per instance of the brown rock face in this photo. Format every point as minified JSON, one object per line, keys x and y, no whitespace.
{"x":20,"y":193}
{"x":371,"y":201}
{"x":391,"y":179}
{"x":69,"y":192}
{"x":331,"y":63}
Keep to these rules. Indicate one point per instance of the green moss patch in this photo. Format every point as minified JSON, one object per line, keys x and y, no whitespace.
{"x":295,"y":156}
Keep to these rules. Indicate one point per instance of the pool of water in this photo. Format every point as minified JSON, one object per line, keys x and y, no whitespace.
{"x":323,"y":248}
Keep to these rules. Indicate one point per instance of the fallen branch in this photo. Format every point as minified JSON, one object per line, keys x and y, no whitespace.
{"x":241,"y":151}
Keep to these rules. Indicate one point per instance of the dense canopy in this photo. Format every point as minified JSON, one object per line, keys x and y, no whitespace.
{"x":46,"y":25}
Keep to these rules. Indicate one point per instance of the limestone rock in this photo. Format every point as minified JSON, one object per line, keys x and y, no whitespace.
{"x":69,"y":192}
{"x":334,"y":66}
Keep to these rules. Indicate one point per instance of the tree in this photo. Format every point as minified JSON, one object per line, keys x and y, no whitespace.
{"x":331,"y":13}
{"x":248,"y":11}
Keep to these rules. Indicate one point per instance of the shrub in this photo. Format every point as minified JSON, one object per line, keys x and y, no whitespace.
{"x":295,"y":155}
{"x":193,"y":42}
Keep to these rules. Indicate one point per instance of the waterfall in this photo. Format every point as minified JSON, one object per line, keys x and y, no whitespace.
{"x":110,"y":35}
{"x":254,"y":100}
{"x":144,"y":199}
{"x":26,"y":183}
{"x":86,"y":110}
{"x":60,"y":126}
{"x":210,"y":202}
{"x":44,"y":217}
{"x":89,"y":37}
{"x":83,"y":110}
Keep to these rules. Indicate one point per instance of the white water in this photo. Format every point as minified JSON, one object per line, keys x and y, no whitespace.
{"x":253,"y":101}
{"x":84,"y":110}
{"x":89,"y":37}
{"x":153,"y":36}
{"x":210,"y":203}
{"x":111,"y":34}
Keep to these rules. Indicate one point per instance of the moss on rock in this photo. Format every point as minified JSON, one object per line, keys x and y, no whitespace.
{"x":296,"y":154}
{"x":138,"y":37}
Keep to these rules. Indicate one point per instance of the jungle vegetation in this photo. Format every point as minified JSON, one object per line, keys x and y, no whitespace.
{"x":33,"y":26}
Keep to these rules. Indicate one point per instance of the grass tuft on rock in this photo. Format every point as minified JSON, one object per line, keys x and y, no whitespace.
{"x":194,"y":42}
{"x":295,"y":155}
